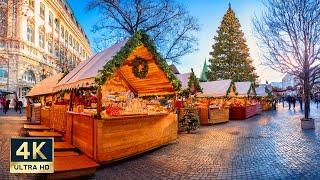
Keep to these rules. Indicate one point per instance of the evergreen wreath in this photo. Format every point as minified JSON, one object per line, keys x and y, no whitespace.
{"x":137,"y":71}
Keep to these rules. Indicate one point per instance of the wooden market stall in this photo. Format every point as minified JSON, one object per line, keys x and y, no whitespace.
{"x":45,"y":93}
{"x":263,"y":95}
{"x":121,"y":101}
{"x":242,"y":106}
{"x":212,"y":104}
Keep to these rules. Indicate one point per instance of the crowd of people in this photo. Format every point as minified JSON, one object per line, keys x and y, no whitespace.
{"x":5,"y":105}
{"x":293,"y":99}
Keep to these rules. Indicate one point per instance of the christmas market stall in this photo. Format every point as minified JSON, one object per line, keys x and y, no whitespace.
{"x":264,"y":97}
{"x":242,"y":105}
{"x":213,"y":101}
{"x":41,"y":98}
{"x":121,"y":101}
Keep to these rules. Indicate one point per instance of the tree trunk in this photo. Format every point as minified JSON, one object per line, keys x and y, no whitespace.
{"x":306,"y":89}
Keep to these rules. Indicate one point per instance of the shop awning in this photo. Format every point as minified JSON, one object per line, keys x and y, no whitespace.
{"x":84,"y":74}
{"x":5,"y":92}
{"x":215,"y":88}
{"x":45,"y":86}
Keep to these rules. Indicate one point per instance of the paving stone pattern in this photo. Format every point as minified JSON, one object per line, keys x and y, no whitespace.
{"x":267,"y":146}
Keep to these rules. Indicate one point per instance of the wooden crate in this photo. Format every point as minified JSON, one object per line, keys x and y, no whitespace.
{"x":217,"y":115}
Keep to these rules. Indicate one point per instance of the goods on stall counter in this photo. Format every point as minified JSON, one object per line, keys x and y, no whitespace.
{"x":134,"y":107}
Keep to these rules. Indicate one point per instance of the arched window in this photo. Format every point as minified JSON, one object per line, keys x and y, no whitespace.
{"x":29,"y":77}
{"x":30,"y":33}
{"x":3,"y":24}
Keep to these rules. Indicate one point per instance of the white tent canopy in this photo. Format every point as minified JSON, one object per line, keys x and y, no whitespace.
{"x":184,"y":79}
{"x":215,"y":88}
{"x":84,"y":74}
{"x":45,"y":86}
{"x":243,"y":88}
{"x":261,"y":90}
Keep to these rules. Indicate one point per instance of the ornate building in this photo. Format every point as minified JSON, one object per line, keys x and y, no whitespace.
{"x":38,"y":38}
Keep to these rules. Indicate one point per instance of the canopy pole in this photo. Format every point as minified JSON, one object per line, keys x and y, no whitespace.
{"x":71,"y":100}
{"x":99,"y":103}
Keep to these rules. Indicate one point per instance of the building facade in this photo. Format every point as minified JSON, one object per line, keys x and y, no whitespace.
{"x":289,"y":81}
{"x":38,"y":38}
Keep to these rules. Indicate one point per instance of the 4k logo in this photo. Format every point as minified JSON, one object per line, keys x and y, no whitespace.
{"x":31,"y":155}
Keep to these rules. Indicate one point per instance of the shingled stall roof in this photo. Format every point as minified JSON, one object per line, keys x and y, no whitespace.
{"x":45,"y":86}
{"x":261,"y":90}
{"x":215,"y":88}
{"x":118,"y":59}
{"x":244,"y":88}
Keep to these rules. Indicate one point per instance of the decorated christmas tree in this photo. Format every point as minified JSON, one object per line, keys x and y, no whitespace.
{"x":230,"y":57}
{"x":194,"y":84}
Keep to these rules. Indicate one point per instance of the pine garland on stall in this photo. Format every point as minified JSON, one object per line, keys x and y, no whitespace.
{"x":139,"y":38}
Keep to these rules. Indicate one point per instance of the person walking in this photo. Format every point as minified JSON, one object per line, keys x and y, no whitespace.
{"x":289,"y":101}
{"x":7,"y":106}
{"x":293,"y":102}
{"x":299,"y":97}
{"x":283,"y":100}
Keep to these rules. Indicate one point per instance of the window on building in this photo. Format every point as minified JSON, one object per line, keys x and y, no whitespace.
{"x":70,"y":40}
{"x":57,"y":26}
{"x":62,"y":32}
{"x":41,"y":40}
{"x":66,"y":39}
{"x":42,"y":10}
{"x":50,"y":18}
{"x":31,"y":4}
{"x":30,"y":33}
{"x":29,"y":77}
{"x":77,"y":48}
{"x":3,"y":73}
{"x":3,"y":24}
{"x":49,"y":47}
{"x":56,"y":50}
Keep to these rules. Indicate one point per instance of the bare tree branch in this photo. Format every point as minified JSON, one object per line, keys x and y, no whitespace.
{"x":289,"y":32}
{"x":166,"y":21}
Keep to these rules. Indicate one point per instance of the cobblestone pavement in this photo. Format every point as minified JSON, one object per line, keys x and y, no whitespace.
{"x":267,"y":146}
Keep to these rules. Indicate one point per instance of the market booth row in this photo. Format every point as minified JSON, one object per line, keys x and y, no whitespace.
{"x":242,"y":105}
{"x":212,"y":102}
{"x":121,"y":101}
{"x":263,"y":94}
{"x":42,"y":96}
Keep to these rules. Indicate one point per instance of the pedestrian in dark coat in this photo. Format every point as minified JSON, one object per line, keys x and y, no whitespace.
{"x":293,"y":100}
{"x":300,"y":102}
{"x":289,"y":101}
{"x":7,"y":106}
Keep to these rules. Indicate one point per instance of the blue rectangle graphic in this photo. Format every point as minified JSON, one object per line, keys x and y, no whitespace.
{"x":31,"y":150}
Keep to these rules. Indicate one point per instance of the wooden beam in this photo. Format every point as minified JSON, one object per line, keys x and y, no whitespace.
{"x":126,"y":81}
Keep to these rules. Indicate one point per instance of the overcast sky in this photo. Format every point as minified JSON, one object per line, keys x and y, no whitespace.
{"x":209,"y":14}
